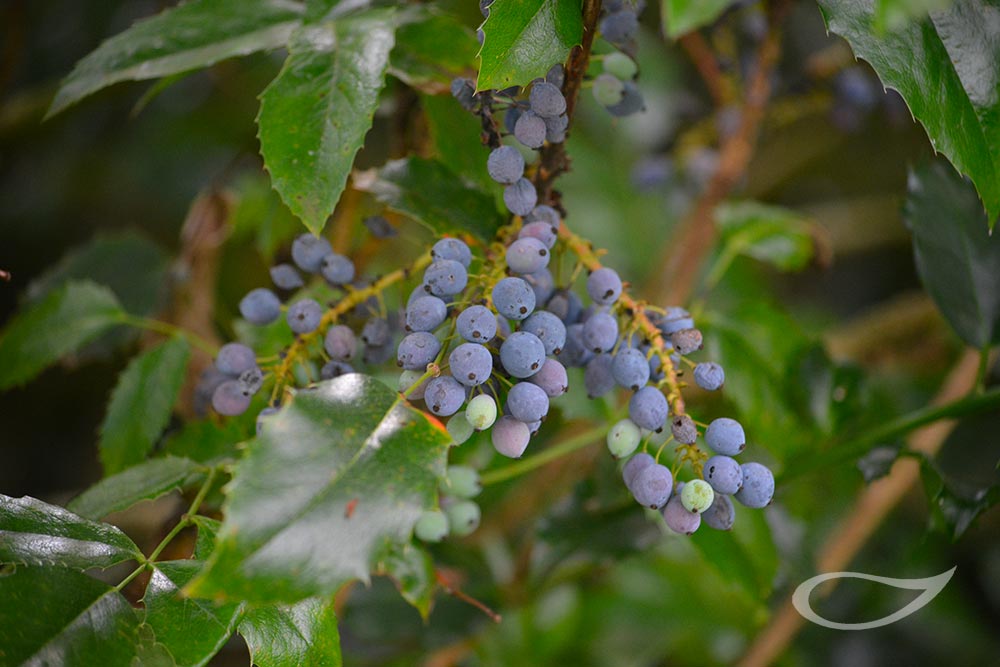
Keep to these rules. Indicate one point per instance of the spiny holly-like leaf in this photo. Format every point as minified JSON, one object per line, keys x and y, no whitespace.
{"x":428,"y":192}
{"x":315,"y":114}
{"x":141,"y":404}
{"x":59,"y":324}
{"x":54,"y":616}
{"x":682,"y":16}
{"x":957,"y":258}
{"x":192,"y":630}
{"x":423,"y":59}
{"x":946,"y":66}
{"x":204,"y":543}
{"x":412,"y":570}
{"x":146,"y":481}
{"x":300,"y":635}
{"x":195,"y":34}
{"x":335,"y":478}
{"x":37,"y":533}
{"x":524,"y":38}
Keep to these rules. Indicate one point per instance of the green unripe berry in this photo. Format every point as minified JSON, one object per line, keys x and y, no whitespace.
{"x":463,"y":517}
{"x":623,"y":438}
{"x":461,"y":481}
{"x":459,"y":428}
{"x":697,"y":496}
{"x":620,"y":65}
{"x":409,"y":378}
{"x":608,"y":90}
{"x":432,"y":526}
{"x":481,"y":412}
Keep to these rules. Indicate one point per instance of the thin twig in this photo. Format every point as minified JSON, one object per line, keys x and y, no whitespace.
{"x":704,"y":60}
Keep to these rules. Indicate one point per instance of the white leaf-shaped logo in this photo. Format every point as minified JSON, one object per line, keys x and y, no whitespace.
{"x":930,"y":586}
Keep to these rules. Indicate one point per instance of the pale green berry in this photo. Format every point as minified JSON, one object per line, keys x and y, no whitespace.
{"x":697,"y":496}
{"x":461,"y":481}
{"x":463,"y":517}
{"x":459,"y":428}
{"x":608,"y":90}
{"x":623,"y":438}
{"x":481,"y":412}
{"x":432,"y":526}
{"x":620,"y":65}
{"x":409,"y":378}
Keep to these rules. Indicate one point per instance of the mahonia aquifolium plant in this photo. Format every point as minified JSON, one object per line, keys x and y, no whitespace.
{"x":486,"y":337}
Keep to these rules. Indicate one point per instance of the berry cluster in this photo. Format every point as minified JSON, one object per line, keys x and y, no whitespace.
{"x":615,"y":88}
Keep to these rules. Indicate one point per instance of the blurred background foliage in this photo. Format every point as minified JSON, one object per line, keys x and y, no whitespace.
{"x":823,"y":334}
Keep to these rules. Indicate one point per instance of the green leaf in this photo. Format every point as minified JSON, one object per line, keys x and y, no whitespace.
{"x":524,"y":38}
{"x":146,"y":481}
{"x":141,"y":404}
{"x":431,"y":194}
{"x":745,"y":555}
{"x":315,"y":114}
{"x":340,"y":473}
{"x":412,"y":570}
{"x":682,"y":16}
{"x":207,"y":440}
{"x":958,"y":260}
{"x":456,"y":133}
{"x":422,"y":59}
{"x":54,"y":616}
{"x":301,"y":635}
{"x":37,"y":533}
{"x":63,"y":321}
{"x":204,"y":543}
{"x":947,"y":68}
{"x":954,"y":507}
{"x":261,"y":215}
{"x":895,"y":14}
{"x":193,"y":630}
{"x":771,"y":234}
{"x":194,"y":34}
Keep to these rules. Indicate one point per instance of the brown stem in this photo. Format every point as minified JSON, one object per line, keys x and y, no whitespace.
{"x":704,"y":60}
{"x":871,"y":508}
{"x":696,"y":234}
{"x":554,"y":160}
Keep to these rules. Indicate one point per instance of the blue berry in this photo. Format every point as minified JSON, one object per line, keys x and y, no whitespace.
{"x":758,"y":486}
{"x":530,"y":131}
{"x":721,"y":515}
{"x":476,"y":324}
{"x":679,"y":519}
{"x":286,"y":277}
{"x":375,"y":355}
{"x":604,"y":286}
{"x":527,"y":402}
{"x":304,"y":316}
{"x":556,"y":75}
{"x":445,"y":277}
{"x":417,"y":350}
{"x":510,"y":437}
{"x":549,"y":329}
{"x":337,"y":269}
{"x":471,"y":364}
{"x":546,"y":100}
{"x":630,"y":368}
{"x":340,"y":342}
{"x":542,"y":284}
{"x":598,"y":379}
{"x":540,"y":230}
{"x":444,"y":396}
{"x":634,"y":466}
{"x":652,"y":486}
{"x":725,"y":436}
{"x":544,"y":213}
{"x":425,"y":314}
{"x":376,"y":332}
{"x":464,"y":91}
{"x":260,"y":306}
{"x":724,"y":474}
{"x":574,"y":353}
{"x":632,"y":101}
{"x":648,"y":408}
{"x":308,"y":252}
{"x":675,"y":319}
{"x":505,"y":165}
{"x":552,"y":378}
{"x":565,"y":305}
{"x":521,"y":197}
{"x":334,"y":369}
{"x":379,"y":227}
{"x":522,"y":354}
{"x":686,"y":341}
{"x":527,"y":255}
{"x":555,"y":129}
{"x":709,"y":375}
{"x":453,"y":249}
{"x":619,"y":27}
{"x":230,"y":399}
{"x":251,"y":380}
{"x":600,"y":332}
{"x":234,"y":358}
{"x":513,"y":298}
{"x":684,"y":429}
